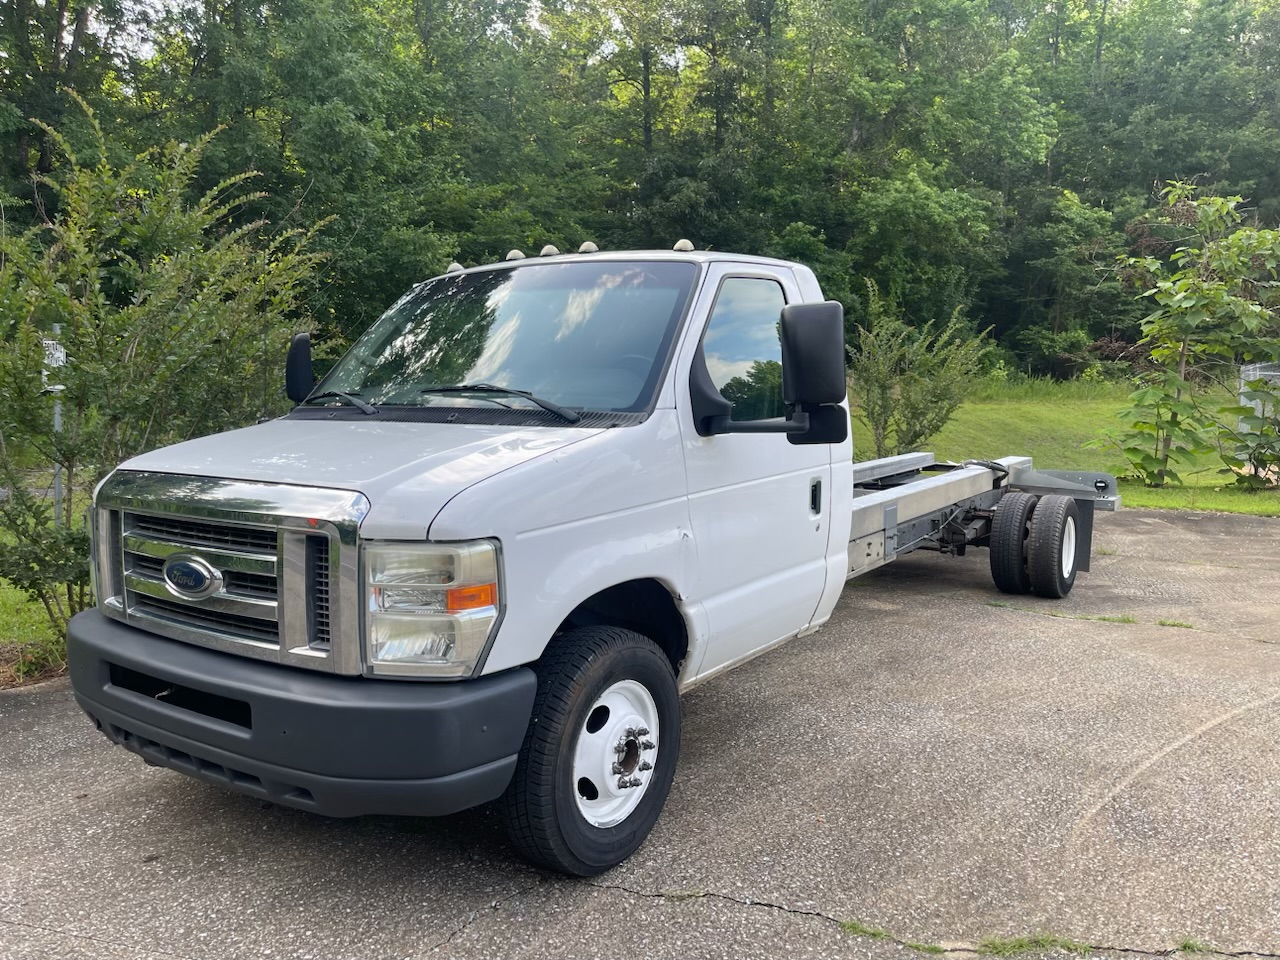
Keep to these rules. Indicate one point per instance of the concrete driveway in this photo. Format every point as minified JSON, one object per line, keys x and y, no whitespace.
{"x":942,"y":765}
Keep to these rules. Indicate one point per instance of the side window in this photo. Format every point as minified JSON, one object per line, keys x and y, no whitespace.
{"x":742,"y":350}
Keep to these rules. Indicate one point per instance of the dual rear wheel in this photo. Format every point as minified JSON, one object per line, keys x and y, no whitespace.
{"x":1034,"y":541}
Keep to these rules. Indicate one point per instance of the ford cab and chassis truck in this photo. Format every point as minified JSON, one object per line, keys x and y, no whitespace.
{"x":483,"y":556}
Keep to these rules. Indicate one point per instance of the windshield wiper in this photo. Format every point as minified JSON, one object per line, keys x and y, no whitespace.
{"x":565,"y":414}
{"x":362,"y":406}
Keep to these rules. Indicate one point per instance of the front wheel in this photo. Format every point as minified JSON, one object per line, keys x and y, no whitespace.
{"x":600,"y":754}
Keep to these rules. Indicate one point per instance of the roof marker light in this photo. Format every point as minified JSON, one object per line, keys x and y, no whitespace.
{"x":550,"y":250}
{"x":683,"y":246}
{"x":588,"y":247}
{"x":454,"y":267}
{"x":515,"y":255}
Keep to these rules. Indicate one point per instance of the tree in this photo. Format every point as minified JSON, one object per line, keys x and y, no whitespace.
{"x":174,"y":321}
{"x":48,"y":47}
{"x":906,"y":383}
{"x":1216,"y":300}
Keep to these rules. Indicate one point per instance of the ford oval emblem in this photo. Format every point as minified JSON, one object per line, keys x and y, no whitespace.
{"x":190,"y":577}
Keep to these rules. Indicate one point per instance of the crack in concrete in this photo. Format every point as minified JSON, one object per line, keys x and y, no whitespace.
{"x":90,"y":938}
{"x":678,"y":895}
{"x":472,"y":917}
{"x":958,"y":948}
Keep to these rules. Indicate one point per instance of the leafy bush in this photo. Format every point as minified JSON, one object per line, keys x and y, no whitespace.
{"x":1215,"y":304}
{"x":1251,"y":448}
{"x":174,"y":317}
{"x":1163,"y":428}
{"x":907,"y":382}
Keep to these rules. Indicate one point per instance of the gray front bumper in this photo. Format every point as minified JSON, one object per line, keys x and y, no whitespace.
{"x":337,"y":746}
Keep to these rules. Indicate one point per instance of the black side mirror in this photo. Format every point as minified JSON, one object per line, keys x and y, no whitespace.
{"x":813,"y":366}
{"x":813,"y":381}
{"x":298,"y":375}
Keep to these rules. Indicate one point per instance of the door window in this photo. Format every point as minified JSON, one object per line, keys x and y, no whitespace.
{"x":742,"y":348}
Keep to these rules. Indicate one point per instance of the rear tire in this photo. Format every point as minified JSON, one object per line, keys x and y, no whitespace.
{"x":1009,"y":531}
{"x":600,"y":754}
{"x":1051,"y":546}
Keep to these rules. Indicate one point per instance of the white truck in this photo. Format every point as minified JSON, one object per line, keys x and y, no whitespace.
{"x":481,"y":558}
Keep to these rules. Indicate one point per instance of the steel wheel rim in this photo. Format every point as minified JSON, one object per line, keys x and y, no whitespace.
{"x":616,"y":754}
{"x":1068,"y":547}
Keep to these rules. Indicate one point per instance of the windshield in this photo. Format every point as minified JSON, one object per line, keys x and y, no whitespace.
{"x":583,"y":335}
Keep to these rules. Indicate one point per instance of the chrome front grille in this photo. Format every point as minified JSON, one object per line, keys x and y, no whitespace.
{"x":238,"y":583}
{"x":282,"y":558}
{"x":318,"y":577}
{"x":230,"y":625}
{"x":245,"y":608}
{"x":198,"y":533}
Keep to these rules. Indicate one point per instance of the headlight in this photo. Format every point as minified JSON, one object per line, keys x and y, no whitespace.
{"x":429,"y":607}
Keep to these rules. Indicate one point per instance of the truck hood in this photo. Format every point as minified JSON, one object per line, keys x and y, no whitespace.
{"x":425,"y":464}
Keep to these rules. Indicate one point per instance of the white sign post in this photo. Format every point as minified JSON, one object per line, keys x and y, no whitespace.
{"x":55,"y":355}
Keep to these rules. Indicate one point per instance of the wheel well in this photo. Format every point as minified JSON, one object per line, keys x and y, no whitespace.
{"x":645,"y":606}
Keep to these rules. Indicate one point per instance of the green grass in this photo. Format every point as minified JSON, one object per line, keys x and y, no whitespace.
{"x":29,"y":649}
{"x":1051,"y":423}
{"x":859,"y":929}
{"x":1058,"y":614}
{"x":1191,"y":945}
{"x":1037,"y":943}
{"x":1175,"y":623}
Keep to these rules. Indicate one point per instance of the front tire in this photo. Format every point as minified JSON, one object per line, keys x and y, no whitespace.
{"x":600,"y":754}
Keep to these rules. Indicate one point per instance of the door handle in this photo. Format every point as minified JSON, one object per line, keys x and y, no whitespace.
{"x":815,"y":496}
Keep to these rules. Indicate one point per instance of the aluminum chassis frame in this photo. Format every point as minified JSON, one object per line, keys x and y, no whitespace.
{"x":911,"y":502}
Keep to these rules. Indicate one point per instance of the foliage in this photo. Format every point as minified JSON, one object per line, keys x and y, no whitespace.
{"x":29,"y":648}
{"x":995,"y":158}
{"x":1062,"y":289}
{"x":1164,"y":427}
{"x":1215,"y":299}
{"x":1250,"y":436}
{"x":1052,"y":421}
{"x":174,"y":321}
{"x":985,"y":156}
{"x":1059,"y":353}
{"x":906,"y":382}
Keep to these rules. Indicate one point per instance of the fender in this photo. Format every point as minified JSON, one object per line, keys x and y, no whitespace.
{"x":584,"y":518}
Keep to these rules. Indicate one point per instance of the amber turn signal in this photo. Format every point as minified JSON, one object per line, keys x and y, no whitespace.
{"x":471,"y":598}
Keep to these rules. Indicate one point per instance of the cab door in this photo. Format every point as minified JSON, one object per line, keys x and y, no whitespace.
{"x":759,"y":504}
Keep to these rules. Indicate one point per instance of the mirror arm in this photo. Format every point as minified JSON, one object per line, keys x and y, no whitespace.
{"x":798,"y":423}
